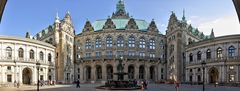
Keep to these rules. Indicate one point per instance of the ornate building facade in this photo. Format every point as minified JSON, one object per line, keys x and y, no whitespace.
{"x":93,"y":54}
{"x":18,"y":58}
{"x":61,"y":35}
{"x":103,"y":42}
{"x":221,"y":55}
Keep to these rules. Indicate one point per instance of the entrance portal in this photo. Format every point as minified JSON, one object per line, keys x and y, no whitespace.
{"x":213,"y":75}
{"x":26,"y":76}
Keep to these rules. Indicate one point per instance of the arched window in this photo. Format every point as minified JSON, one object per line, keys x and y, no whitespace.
{"x":49,"y":57}
{"x":208,"y":54}
{"x":152,"y":44}
{"x":199,"y":55}
{"x":120,"y":41}
{"x":41,"y":55}
{"x":9,"y":52}
{"x":109,"y":41}
{"x":98,"y":43}
{"x":31,"y":54}
{"x":88,"y":44}
{"x":219,"y":52}
{"x":20,"y":53}
{"x":190,"y":57}
{"x":131,"y":41}
{"x":142,"y":42}
{"x":231,"y":51}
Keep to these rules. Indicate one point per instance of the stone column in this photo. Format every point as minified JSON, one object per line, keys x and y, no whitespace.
{"x":34,"y":75}
{"x":104,"y":72}
{"x":93,"y":74}
{"x":136,"y":72}
{"x":147,"y":72}
{"x":114,"y":71}
{"x":125,"y":70}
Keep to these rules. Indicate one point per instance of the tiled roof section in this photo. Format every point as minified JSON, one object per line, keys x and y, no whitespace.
{"x":121,"y":24}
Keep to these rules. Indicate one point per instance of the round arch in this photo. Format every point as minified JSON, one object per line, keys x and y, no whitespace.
{"x":26,"y":76}
{"x":213,"y":75}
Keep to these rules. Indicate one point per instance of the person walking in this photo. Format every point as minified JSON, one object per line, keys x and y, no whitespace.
{"x":78,"y":83}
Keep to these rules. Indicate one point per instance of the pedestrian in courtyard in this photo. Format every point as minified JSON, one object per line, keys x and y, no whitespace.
{"x":78,"y":83}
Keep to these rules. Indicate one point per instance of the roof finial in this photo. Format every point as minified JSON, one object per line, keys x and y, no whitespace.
{"x":57,"y":18}
{"x":183,"y":17}
{"x":212,"y":34}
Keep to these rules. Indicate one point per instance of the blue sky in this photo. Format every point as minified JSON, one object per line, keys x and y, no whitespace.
{"x":21,"y":16}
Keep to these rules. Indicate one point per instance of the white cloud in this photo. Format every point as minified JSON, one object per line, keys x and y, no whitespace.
{"x":226,"y":25}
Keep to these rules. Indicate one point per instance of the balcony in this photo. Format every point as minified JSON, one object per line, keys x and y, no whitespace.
{"x":215,"y":60}
{"x":126,"y":57}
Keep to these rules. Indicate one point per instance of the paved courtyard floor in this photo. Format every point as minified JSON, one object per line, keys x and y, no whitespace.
{"x":151,"y":87}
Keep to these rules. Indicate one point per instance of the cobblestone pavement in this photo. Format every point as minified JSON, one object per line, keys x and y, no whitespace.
{"x":151,"y":87}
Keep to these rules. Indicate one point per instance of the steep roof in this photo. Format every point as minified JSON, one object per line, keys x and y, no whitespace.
{"x":121,"y":24}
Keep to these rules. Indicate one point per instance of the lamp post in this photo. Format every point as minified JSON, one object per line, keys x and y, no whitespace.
{"x":203,"y":65}
{"x":38,"y":66}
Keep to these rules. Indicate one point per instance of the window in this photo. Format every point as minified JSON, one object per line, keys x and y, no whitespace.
{"x":120,"y":53}
{"x":231,"y":67}
{"x":9,"y":52}
{"x":208,"y":54}
{"x":231,"y":77}
{"x":98,"y":54}
{"x":41,"y":55}
{"x":88,"y":55}
{"x":131,"y":41}
{"x":152,"y":55}
{"x":8,"y":67}
{"x":219,"y":53}
{"x":199,"y":55}
{"x":152,"y":44}
{"x":98,"y":43}
{"x":171,"y":49}
{"x":20,"y":53}
{"x":109,"y":53}
{"x":78,"y":56}
{"x":109,"y":41}
{"x":41,"y":77}
{"x":190,"y":57}
{"x":142,"y":42}
{"x":88,"y":44}
{"x":78,"y":70}
{"x":9,"y":78}
{"x":31,"y":54}
{"x":120,"y":41}
{"x":49,"y":57}
{"x":231,"y":51}
{"x":142,"y":54}
{"x":131,"y":53}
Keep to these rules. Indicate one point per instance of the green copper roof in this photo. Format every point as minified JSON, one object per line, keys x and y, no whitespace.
{"x":120,"y":24}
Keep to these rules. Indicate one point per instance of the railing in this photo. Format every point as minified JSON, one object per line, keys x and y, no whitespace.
{"x":126,"y":57}
{"x":25,"y":60}
{"x":214,"y":60}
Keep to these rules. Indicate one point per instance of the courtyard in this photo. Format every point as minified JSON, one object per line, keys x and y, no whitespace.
{"x":151,"y":87}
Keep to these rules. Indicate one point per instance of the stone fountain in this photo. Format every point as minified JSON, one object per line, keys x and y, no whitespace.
{"x":120,"y":84}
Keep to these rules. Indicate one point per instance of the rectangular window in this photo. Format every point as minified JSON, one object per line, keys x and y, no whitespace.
{"x":8,"y":67}
{"x":98,"y":54}
{"x":109,"y":53}
{"x":78,"y":56}
{"x":231,"y":67}
{"x":120,"y":53}
{"x":88,"y":55}
{"x":231,"y":77}
{"x":152,"y":55}
{"x":131,"y":53}
{"x":9,"y":78}
{"x":41,"y":77}
{"x":142,"y":54}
